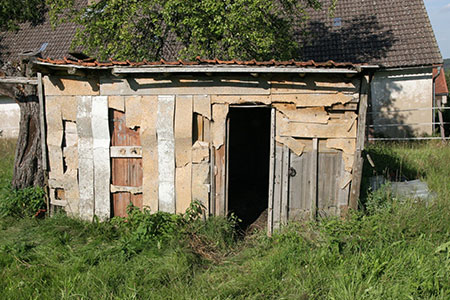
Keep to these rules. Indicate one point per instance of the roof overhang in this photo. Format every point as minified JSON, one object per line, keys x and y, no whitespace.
{"x":210,"y":69}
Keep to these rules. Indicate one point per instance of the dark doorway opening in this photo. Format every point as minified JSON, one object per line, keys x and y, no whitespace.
{"x":248,"y":164}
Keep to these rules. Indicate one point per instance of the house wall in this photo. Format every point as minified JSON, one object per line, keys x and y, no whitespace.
{"x":9,"y":118}
{"x":402,"y":97}
{"x":161,"y":142}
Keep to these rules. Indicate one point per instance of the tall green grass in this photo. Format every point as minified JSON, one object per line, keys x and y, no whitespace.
{"x":401,"y":251}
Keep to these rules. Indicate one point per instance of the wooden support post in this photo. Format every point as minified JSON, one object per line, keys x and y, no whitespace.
{"x":314,"y":181}
{"x":285,"y":186}
{"x":271,"y":173}
{"x":40,"y":91}
{"x":441,"y":119}
{"x":360,"y":139}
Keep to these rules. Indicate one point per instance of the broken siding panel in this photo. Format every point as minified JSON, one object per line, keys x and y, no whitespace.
{"x":133,"y":111}
{"x":117,"y":103}
{"x":202,"y":105}
{"x":70,"y":86}
{"x":166,"y":153}
{"x":70,"y":154}
{"x":102,"y":171}
{"x":55,"y":132}
{"x":85,"y":157}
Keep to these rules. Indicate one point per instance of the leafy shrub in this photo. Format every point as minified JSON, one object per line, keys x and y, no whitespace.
{"x":22,"y":203}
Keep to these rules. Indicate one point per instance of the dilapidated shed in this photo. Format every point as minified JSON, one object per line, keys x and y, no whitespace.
{"x":237,"y":136}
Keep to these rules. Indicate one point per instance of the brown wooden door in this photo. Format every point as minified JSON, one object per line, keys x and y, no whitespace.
{"x":125,"y":172}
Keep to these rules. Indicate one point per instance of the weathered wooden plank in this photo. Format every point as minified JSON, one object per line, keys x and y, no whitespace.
{"x":101,"y":142}
{"x":271,"y":172}
{"x":213,"y":86}
{"x":55,"y":132}
{"x":277,"y":190}
{"x":329,"y":168}
{"x":200,"y":152}
{"x":183,"y":184}
{"x":219,"y":181}
{"x":200,"y":183}
{"x":313,"y":99}
{"x":202,"y":105}
{"x":285,"y":186}
{"x":295,"y":145}
{"x":125,"y":171}
{"x":126,"y":151}
{"x":166,"y":153}
{"x":336,"y":128}
{"x":220,"y":113}
{"x":133,"y":111}
{"x":316,"y":115}
{"x":70,"y":86}
{"x":241,"y":99}
{"x":150,"y":181}
{"x":360,"y":140}
{"x":212,"y":180}
{"x":117,"y":103}
{"x":300,"y":186}
{"x":128,"y":189}
{"x":183,"y":130}
{"x":313,"y":187}
{"x":85,"y":157}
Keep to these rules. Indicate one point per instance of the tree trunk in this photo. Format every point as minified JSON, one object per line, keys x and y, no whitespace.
{"x":28,"y":169}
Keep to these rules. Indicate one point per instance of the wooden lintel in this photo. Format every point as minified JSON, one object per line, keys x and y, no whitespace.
{"x":20,"y":80}
{"x":126,"y":189}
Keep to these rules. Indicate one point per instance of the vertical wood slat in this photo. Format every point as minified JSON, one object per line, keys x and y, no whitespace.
{"x":285,"y":186}
{"x":360,"y":140}
{"x":125,"y":171}
{"x":271,"y":173}
{"x":299,"y":187}
{"x":102,"y":171}
{"x":330,"y":170}
{"x":277,"y":186}
{"x":313,"y":187}
{"x":212,"y":192}
{"x":85,"y":158}
{"x":166,"y":153}
{"x":183,"y":152}
{"x":219,"y":181}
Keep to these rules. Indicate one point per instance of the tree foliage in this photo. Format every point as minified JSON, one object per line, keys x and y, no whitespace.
{"x":226,"y":29}
{"x":14,"y":12}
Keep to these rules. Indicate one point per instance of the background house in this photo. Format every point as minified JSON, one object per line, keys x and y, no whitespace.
{"x":397,"y":36}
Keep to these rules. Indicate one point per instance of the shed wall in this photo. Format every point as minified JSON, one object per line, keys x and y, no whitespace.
{"x":181,"y":125}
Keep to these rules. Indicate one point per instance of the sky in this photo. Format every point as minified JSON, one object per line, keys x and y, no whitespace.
{"x":439,"y":13}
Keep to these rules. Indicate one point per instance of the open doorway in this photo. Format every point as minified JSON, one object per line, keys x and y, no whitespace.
{"x":248,"y":164}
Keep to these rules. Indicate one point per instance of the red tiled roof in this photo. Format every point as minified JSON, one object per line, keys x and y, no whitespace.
{"x":199,"y":61}
{"x":440,"y":83}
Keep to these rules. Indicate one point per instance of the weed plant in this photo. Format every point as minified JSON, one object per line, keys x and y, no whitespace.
{"x":392,"y":250}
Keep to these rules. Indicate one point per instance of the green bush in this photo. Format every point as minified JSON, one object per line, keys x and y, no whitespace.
{"x":21,"y":203}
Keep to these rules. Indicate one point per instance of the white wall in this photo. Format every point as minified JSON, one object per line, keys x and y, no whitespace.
{"x":392,"y":91}
{"x":9,"y":118}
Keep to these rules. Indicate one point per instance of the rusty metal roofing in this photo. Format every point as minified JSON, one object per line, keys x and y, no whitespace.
{"x":198,"y":62}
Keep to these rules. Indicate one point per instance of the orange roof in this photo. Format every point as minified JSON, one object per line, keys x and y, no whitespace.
{"x":89,"y":62}
{"x":440,"y":82}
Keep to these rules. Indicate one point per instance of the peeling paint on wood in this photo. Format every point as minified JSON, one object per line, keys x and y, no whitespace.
{"x":166,"y":153}
{"x":101,"y":142}
{"x":85,"y":157}
{"x":150,"y":180}
{"x":294,"y":144}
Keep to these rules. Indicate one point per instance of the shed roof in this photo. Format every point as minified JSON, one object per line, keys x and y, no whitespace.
{"x":389,"y":33}
{"x":207,"y":65}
